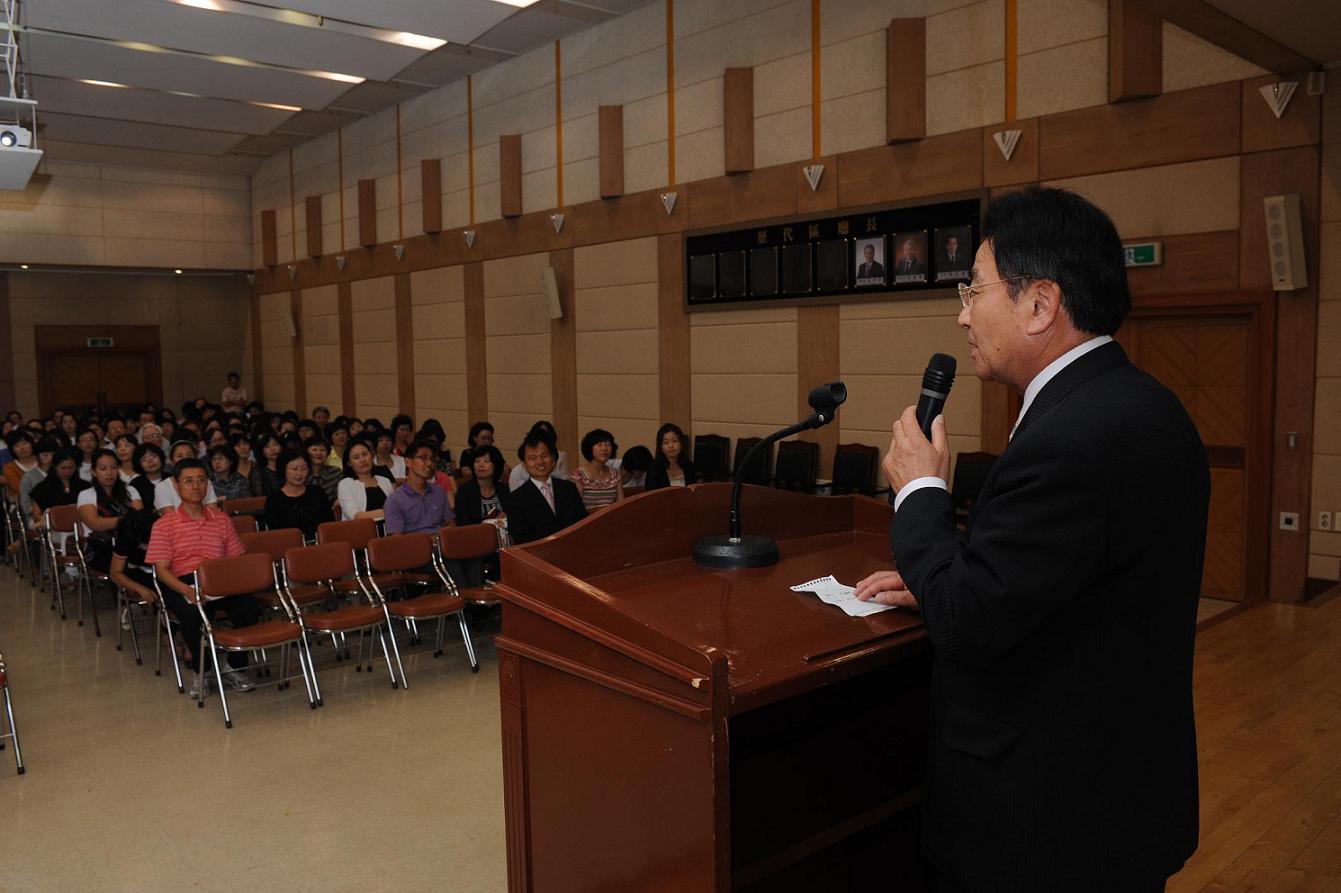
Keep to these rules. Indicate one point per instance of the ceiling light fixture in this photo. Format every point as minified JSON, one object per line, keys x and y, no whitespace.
{"x":102,"y":83}
{"x":23,"y":266}
{"x":307,"y":20}
{"x":178,"y":272}
{"x":275,"y":105}
{"x":518,"y":3}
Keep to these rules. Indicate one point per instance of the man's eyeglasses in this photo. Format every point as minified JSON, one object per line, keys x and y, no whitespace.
{"x":968,"y":292}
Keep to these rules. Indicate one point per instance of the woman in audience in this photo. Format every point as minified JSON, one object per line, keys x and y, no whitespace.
{"x":482,"y":496}
{"x":166,"y":496}
{"x":23,"y":460}
{"x":102,"y":506}
{"x":124,"y":447}
{"x":365,"y":486}
{"x":223,"y":474}
{"x":545,"y":429}
{"x":337,"y":433}
{"x":46,"y":449}
{"x":266,"y":476}
{"x":148,"y":462}
{"x":297,"y":503}
{"x":323,"y":475}
{"x":633,"y":468}
{"x":62,"y":485}
{"x":241,"y":447}
{"x":598,"y":483}
{"x":385,"y":458}
{"x":402,"y":429}
{"x":87,"y":441}
{"x":216,"y":437}
{"x":671,"y":467}
{"x":355,"y":429}
{"x":432,"y":430}
{"x":128,"y":569}
{"x":481,"y":434}
{"x":69,"y":426}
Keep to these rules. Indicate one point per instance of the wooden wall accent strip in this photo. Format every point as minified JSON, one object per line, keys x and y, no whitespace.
{"x":299,"y":353}
{"x":314,"y":233}
{"x":558,"y":124}
{"x":937,"y":165}
{"x":510,"y":174}
{"x":1135,"y":51}
{"x":817,"y":363}
{"x":630,"y":217}
{"x":906,"y":80}
{"x":1188,"y":125}
{"x":1301,"y":125}
{"x":738,"y":119}
{"x":563,"y":355}
{"x":1023,"y":164}
{"x":257,"y":383}
{"x":400,"y":190}
{"x":470,"y":142}
{"x":269,"y":239}
{"x":611,"y":127}
{"x":340,"y":178}
{"x":1277,"y":173}
{"x":477,"y":384}
{"x":816,"y":94}
{"x":430,"y":183}
{"x":345,"y":298}
{"x":1228,"y":33}
{"x":765,"y":193}
{"x":670,"y":92}
{"x":367,"y":213}
{"x":1197,"y":262}
{"x":404,"y":343}
{"x":673,"y":324}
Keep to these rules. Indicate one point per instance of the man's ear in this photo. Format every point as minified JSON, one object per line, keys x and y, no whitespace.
{"x":1044,"y":303}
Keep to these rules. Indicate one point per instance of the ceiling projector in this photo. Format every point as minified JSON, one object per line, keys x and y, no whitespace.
{"x":14,"y":136}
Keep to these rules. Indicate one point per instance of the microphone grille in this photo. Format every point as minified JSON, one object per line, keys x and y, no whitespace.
{"x":940,"y":374}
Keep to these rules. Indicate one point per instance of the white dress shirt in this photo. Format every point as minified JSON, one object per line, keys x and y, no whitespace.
{"x":1030,"y":392}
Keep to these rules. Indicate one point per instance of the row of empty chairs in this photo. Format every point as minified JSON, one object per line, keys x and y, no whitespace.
{"x":856,"y":466}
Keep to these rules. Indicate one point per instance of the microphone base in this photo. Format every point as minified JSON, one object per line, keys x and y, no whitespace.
{"x":749,"y":551}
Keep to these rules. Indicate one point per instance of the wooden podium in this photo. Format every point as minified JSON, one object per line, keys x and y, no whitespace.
{"x":672,"y":727}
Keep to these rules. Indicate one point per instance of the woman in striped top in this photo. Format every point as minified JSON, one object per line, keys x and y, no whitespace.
{"x":598,"y":483}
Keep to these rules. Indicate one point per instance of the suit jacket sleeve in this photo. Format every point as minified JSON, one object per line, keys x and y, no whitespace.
{"x":468,"y":504}
{"x":981,"y":596}
{"x":519,"y":515}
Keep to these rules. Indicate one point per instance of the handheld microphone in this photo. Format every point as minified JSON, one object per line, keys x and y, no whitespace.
{"x":936,"y":384}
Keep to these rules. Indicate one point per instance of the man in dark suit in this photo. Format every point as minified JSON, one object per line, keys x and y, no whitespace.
{"x":871,"y":268}
{"x":1063,"y":746}
{"x":543,"y":505}
{"x":954,"y":259}
{"x":908,"y":263}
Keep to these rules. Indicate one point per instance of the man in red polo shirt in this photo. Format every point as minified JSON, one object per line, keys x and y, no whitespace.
{"x":184,"y":537}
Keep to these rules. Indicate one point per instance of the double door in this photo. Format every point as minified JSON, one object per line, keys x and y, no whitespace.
{"x":76,"y":377}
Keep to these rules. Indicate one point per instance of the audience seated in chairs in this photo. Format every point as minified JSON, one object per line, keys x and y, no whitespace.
{"x":297,"y":503}
{"x":124,"y":446}
{"x":482,"y":434}
{"x":364,"y":489}
{"x":324,"y":475}
{"x":671,"y":467}
{"x":87,"y":441}
{"x":482,"y":496}
{"x":46,"y":450}
{"x":101,"y":508}
{"x":419,"y":505}
{"x":189,"y":534}
{"x":23,"y":459}
{"x":543,"y":504}
{"x":166,"y":495}
{"x":596,"y":480}
{"x":633,"y":469}
{"x":402,"y":434}
{"x":322,"y":416}
{"x":61,"y":486}
{"x":223,"y":474}
{"x":129,"y":570}
{"x":149,"y":464}
{"x":385,"y":458}
{"x":337,"y":438}
{"x":266,"y":475}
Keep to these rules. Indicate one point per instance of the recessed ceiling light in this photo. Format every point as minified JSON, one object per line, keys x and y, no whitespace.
{"x":23,"y":266}
{"x":178,"y":272}
{"x":308,"y":20}
{"x":226,"y":60}
{"x":102,"y":83}
{"x":275,"y":105}
{"x":517,"y":3}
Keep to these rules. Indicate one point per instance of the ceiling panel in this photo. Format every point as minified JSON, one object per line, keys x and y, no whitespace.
{"x":529,"y":29}
{"x":152,"y":107}
{"x":449,"y":63}
{"x":202,"y":31}
{"x":133,"y":134}
{"x":265,"y":146}
{"x":459,"y":21}
{"x":241,"y":165}
{"x":317,"y":123}
{"x":75,"y":58}
{"x":1311,"y":28}
{"x":373,"y":96}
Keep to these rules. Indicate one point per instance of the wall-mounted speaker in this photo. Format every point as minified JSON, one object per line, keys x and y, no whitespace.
{"x":550,"y":286}
{"x":290,"y":327}
{"x":1285,"y":242}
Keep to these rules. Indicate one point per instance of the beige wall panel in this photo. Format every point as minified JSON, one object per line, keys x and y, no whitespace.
{"x":324,"y":389}
{"x":375,"y":359}
{"x":510,"y":427}
{"x":785,"y":136}
{"x":897,"y":346}
{"x":581,"y":181}
{"x":521,"y":74}
{"x":1190,"y":61}
{"x":743,"y":317}
{"x":875,"y":402}
{"x":50,"y":219}
{"x":1326,"y":543}
{"x":439,"y":320}
{"x":153,"y":253}
{"x":1326,"y":494}
{"x":616,"y":307}
{"x":1200,"y":196}
{"x":456,"y":210}
{"x":645,"y":119}
{"x":1068,"y":77}
{"x":856,"y":65}
{"x":631,"y":34}
{"x":645,"y":167}
{"x":965,"y":37}
{"x":516,"y":315}
{"x":1323,"y":567}
{"x":373,"y":294}
{"x":753,"y":33}
{"x":514,"y":275}
{"x":1327,"y":418}
{"x":617,"y":353}
{"x":321,"y":330}
{"x":442,"y":391}
{"x":764,"y":347}
{"x":969,"y":97}
{"x":321,"y":301}
{"x":700,"y":155}
{"x":755,"y":399}
{"x":540,"y":191}
{"x":782,"y":85}
{"x":1044,"y":24}
{"x":947,"y":307}
{"x":698,"y":106}
{"x":636,"y":395}
{"x":440,"y":356}
{"x":615,"y":263}
{"x":539,"y":146}
{"x":527,"y":394}
{"x":628,"y":432}
{"x":53,"y":249}
{"x":518,"y":353}
{"x":626,"y":80}
{"x":376,"y":326}
{"x":321,"y":359}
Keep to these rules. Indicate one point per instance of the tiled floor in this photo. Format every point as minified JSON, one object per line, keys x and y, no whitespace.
{"x":130,"y":787}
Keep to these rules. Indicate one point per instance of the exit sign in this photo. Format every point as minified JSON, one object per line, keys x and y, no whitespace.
{"x":99,"y":342}
{"x":1144,"y":254}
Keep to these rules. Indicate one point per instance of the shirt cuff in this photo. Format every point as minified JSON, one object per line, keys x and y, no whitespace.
{"x":918,"y":484}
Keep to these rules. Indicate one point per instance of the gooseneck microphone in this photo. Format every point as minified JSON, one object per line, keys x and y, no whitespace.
{"x":739,"y":550}
{"x":936,"y":384}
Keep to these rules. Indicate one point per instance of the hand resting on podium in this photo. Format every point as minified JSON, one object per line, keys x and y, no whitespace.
{"x":886,"y":588}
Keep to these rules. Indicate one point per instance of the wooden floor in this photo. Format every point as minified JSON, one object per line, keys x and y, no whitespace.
{"x":1268,"y":701}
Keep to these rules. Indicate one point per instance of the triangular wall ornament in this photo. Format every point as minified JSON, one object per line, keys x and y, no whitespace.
{"x":1006,"y":141}
{"x":813,"y":173}
{"x":399,"y":250}
{"x":293,"y":271}
{"x":1278,"y":95}
{"x":470,"y":238}
{"x":340,"y":261}
{"x":668,"y":200}
{"x":557,"y":220}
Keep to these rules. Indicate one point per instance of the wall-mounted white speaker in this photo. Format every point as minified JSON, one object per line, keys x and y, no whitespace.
{"x":290,"y":327}
{"x":1285,"y":242}
{"x":551,"y":288}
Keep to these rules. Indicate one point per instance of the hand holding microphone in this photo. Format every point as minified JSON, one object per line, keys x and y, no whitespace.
{"x":920,"y":447}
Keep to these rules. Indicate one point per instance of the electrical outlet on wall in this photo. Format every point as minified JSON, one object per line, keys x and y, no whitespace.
{"x":1324,"y":520}
{"x":1289,"y":520}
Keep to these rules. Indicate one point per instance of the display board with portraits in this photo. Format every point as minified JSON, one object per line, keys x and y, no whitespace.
{"x":927,"y":248}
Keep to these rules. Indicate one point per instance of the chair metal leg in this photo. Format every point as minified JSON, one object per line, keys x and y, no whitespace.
{"x":385,"y":653}
{"x":218,"y":678}
{"x":470,"y":646}
{"x":13,"y":731}
{"x":309,"y":670}
{"x":93,"y":607}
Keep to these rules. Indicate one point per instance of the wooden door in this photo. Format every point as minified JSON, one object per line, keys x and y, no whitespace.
{"x":73,"y":376}
{"x":124,"y":379}
{"x":1209,"y":362}
{"x":72,"y":381}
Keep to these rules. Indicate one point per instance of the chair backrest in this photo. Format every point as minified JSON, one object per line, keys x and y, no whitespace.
{"x":798,"y":463}
{"x":63,"y":518}
{"x":244,"y":524}
{"x":759,"y":468}
{"x":248,"y":505}
{"x":971,"y":470}
{"x":710,"y":451}
{"x":854,"y":467}
{"x":242,"y":575}
{"x":313,"y":564}
{"x":271,"y":542}
{"x":471,"y":541}
{"x":400,"y":552}
{"x":358,"y":532}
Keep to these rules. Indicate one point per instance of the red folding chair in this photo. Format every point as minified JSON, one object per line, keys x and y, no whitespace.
{"x":13,"y":733}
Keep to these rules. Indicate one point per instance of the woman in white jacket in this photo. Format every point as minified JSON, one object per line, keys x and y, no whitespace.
{"x":364,"y":489}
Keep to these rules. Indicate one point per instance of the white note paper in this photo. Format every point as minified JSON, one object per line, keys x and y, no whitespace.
{"x":831,"y":592}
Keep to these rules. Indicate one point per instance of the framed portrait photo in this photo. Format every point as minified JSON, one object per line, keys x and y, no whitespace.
{"x":954,"y":253}
{"x":909,"y":266}
{"x":868,"y":262}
